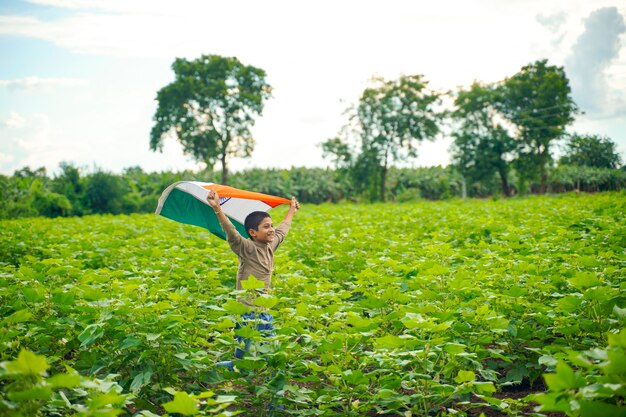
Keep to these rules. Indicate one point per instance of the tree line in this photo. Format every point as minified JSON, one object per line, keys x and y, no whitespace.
{"x":71,"y":192}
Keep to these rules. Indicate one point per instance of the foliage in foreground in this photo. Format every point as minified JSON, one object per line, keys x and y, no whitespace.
{"x":405,"y":309}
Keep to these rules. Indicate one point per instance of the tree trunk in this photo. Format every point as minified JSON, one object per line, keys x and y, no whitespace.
{"x":544,"y":181}
{"x":224,"y":170}
{"x":383,"y":180}
{"x":544,"y":173}
{"x":383,"y":184}
{"x":506,"y":189}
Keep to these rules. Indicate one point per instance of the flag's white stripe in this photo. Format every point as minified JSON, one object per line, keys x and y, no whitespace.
{"x":195,"y":189}
{"x":239,"y":208}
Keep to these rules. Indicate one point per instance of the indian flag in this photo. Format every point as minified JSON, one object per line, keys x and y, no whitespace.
{"x":186,"y":202}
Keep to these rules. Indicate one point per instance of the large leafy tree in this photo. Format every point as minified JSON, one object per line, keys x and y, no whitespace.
{"x":482,"y":146}
{"x":210,"y":108}
{"x":591,"y":150}
{"x":390,"y":120}
{"x":538,"y":102}
{"x":393,"y":117}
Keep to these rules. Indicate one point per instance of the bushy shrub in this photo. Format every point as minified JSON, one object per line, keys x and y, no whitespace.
{"x":104,"y":193}
{"x":432,"y":183}
{"x":589,"y":179}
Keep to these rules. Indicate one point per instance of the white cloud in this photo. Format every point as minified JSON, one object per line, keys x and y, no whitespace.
{"x":553,"y":22}
{"x":75,"y":4}
{"x":30,"y":134}
{"x":14,"y":121}
{"x":6,"y":158}
{"x":595,"y":50}
{"x":40,"y":84}
{"x":26,"y":141}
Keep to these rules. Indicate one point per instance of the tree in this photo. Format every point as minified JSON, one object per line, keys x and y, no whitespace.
{"x":210,"y":108}
{"x":105,"y":193}
{"x":69,"y":184}
{"x":391,"y":118}
{"x":482,"y":146}
{"x":537,"y":100}
{"x":394,"y":116}
{"x":592,"y":151}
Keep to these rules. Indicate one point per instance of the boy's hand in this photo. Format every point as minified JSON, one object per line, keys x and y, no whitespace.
{"x":213,"y":199}
{"x":295,"y":206}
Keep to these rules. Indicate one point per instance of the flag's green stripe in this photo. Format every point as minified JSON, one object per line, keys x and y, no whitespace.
{"x":183,"y":207}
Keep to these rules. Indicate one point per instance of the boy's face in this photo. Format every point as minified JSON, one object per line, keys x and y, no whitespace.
{"x":265,"y":234}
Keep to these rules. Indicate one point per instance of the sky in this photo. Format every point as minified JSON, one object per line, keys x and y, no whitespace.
{"x":78,"y":78}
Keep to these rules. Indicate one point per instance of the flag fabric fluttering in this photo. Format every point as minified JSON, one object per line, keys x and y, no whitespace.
{"x":186,"y":202}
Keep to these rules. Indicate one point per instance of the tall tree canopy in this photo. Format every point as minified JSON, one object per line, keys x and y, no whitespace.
{"x":538,"y":101}
{"x":394,"y":116}
{"x":390,"y":120}
{"x":482,"y":146}
{"x":591,"y":150}
{"x":210,"y":108}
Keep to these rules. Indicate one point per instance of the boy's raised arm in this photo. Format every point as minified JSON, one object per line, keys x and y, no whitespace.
{"x":293,"y":208}
{"x":233,"y":237}
{"x":214,"y":201}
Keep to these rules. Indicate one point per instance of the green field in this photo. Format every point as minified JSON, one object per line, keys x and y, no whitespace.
{"x":429,"y":308}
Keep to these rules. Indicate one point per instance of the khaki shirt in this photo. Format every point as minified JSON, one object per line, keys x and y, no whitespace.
{"x":255,"y":258}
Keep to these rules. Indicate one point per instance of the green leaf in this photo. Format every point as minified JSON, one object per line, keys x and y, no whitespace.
{"x":140,"y":380}
{"x":151,"y":337}
{"x":251,"y":363}
{"x":390,"y":342}
{"x":36,"y":393}
{"x":105,"y":400}
{"x":355,"y":377}
{"x":584,"y":280}
{"x":266,"y":301}
{"x":619,"y":312}
{"x":465,"y":376}
{"x":598,"y":408}
{"x":63,"y":299}
{"x":569,"y":303}
{"x":90,"y":335}
{"x":618,"y":340}
{"x":484,"y":387}
{"x":247,"y":332}
{"x":235,"y":307}
{"x":130,"y":342}
{"x":454,"y":348}
{"x":32,"y":295}
{"x":18,"y":317}
{"x":552,"y":401}
{"x":564,"y":378}
{"x":616,"y":362}
{"x":64,"y":380}
{"x":27,"y":363}
{"x":277,"y":383}
{"x":225,"y":323}
{"x":182,"y":403}
{"x":223,"y":399}
{"x":252,"y":283}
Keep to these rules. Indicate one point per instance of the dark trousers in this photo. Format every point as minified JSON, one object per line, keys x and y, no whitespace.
{"x":264,"y":325}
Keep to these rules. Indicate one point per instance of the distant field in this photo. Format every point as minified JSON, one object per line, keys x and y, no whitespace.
{"x":398,"y":309}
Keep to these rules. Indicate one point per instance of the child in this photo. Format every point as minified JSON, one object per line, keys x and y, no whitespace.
{"x":256,"y":256}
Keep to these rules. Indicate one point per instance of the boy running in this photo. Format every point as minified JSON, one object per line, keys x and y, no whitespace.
{"x":256,"y":256}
